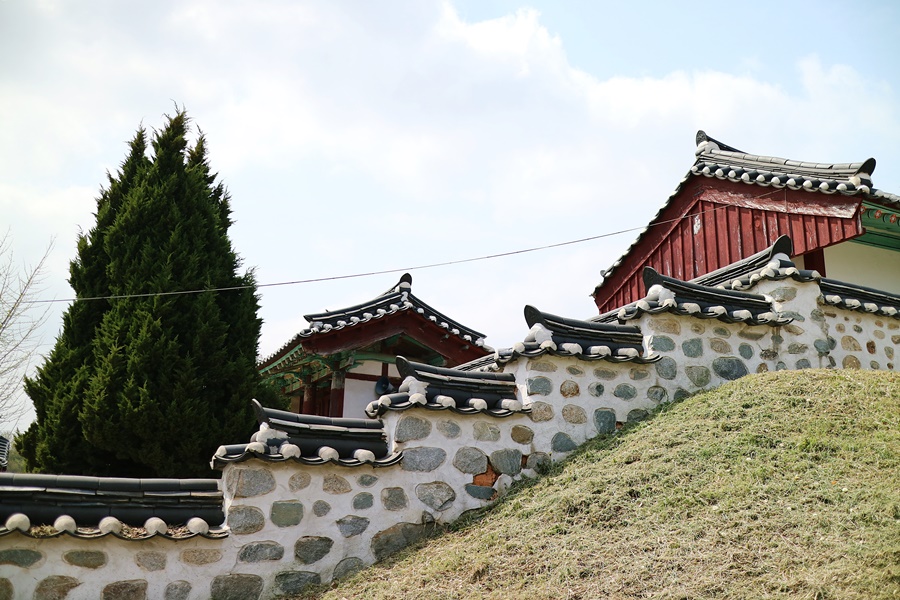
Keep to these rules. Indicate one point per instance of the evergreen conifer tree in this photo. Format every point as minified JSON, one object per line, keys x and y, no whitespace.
{"x":151,"y":385}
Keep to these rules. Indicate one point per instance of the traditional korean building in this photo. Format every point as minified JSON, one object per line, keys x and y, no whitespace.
{"x":732,"y":205}
{"x":346,"y":358}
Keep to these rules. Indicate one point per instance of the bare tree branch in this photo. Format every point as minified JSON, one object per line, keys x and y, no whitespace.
{"x":19,"y":324}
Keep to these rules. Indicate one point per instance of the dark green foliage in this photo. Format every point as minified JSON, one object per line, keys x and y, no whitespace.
{"x":151,"y":386}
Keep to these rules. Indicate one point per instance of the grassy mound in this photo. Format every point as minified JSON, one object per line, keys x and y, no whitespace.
{"x":781,"y":485}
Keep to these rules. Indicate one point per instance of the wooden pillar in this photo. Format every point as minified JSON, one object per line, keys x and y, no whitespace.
{"x":309,"y":407}
{"x":336,"y":408}
{"x":815,"y":261}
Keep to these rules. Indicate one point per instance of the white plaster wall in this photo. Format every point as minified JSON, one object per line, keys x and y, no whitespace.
{"x":357,"y":395}
{"x":864,"y":265}
{"x":564,"y":395}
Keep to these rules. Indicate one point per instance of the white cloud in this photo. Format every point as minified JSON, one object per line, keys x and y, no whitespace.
{"x":354,"y":140}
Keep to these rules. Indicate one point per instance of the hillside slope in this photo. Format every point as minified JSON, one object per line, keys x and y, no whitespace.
{"x":781,"y":485}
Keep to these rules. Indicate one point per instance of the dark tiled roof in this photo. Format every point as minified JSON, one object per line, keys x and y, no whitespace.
{"x":484,"y":363}
{"x":4,"y":453}
{"x":311,"y":440}
{"x":719,"y":160}
{"x":398,"y":298}
{"x":464,"y":392}
{"x":715,"y":159}
{"x":585,"y":340}
{"x":91,"y":507}
{"x":667,"y":294}
{"x":783,"y":246}
{"x":859,"y":298}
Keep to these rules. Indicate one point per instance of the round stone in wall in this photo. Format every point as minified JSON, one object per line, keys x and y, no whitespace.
{"x":6,"y":589}
{"x":794,"y":329}
{"x":729,"y":368}
{"x":486,"y":432}
{"x":721,"y":332}
{"x":625,"y":391}
{"x":596,"y":389}
{"x":657,"y":394}
{"x":436,"y":495}
{"x":363,"y":500}
{"x":638,"y":414}
{"x":54,"y":587}
{"x":298,"y":481}
{"x":746,"y":351}
{"x":150,"y":560}
{"x":538,"y":461}
{"x":850,"y":362}
{"x":662,"y":343}
{"x":310,"y":549}
{"x":639,"y":373}
{"x":286,"y":513}
{"x":321,"y":508}
{"x":395,"y":538}
{"x":561,"y":442}
{"x":699,"y":376}
{"x":250,"y":483}
{"x":20,"y":557}
{"x":542,"y":366}
{"x":751,"y":333}
{"x":394,"y":498}
{"x":574,"y":414}
{"x":605,"y":374}
{"x":573,"y":370}
{"x":89,"y":559}
{"x":347,"y":567}
{"x":423,"y":460}
{"x":352,"y":525}
{"x":698,"y":328}
{"x":507,"y":461}
{"x":539,"y":386}
{"x":261,"y":551}
{"x":294,"y":582}
{"x":412,"y":428}
{"x":236,"y":586}
{"x":783,"y":294}
{"x":449,"y":429}
{"x":692,"y":348}
{"x":803,"y":364}
{"x":664,"y":325}
{"x":245,"y":519}
{"x":850,"y":344}
{"x":666,"y":368}
{"x":719,"y":346}
{"x":797,"y":348}
{"x":135,"y":589}
{"x":366,"y":480}
{"x":521,"y":434}
{"x":605,"y":420}
{"x":177,"y":590}
{"x":470,"y":460}
{"x":335,"y":484}
{"x":569,"y":389}
{"x":541,"y":411}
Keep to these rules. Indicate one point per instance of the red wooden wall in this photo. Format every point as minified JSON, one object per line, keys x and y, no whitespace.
{"x":736,"y":220}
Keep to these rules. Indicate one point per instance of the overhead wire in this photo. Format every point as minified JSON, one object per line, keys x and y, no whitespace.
{"x":387,"y":271}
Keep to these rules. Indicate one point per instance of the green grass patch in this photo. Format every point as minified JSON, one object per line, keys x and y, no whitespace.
{"x":780,"y":485}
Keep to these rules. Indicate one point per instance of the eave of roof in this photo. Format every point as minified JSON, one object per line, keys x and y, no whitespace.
{"x":396,"y":300}
{"x":718,"y":160}
{"x":585,"y":340}
{"x":462,"y":392}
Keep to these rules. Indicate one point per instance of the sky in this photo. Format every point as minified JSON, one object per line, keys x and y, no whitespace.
{"x":369,"y":136}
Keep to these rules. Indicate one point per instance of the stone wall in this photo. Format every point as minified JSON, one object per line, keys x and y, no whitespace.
{"x":293,"y":524}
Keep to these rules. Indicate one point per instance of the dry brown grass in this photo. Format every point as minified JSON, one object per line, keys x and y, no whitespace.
{"x":782,"y":485}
